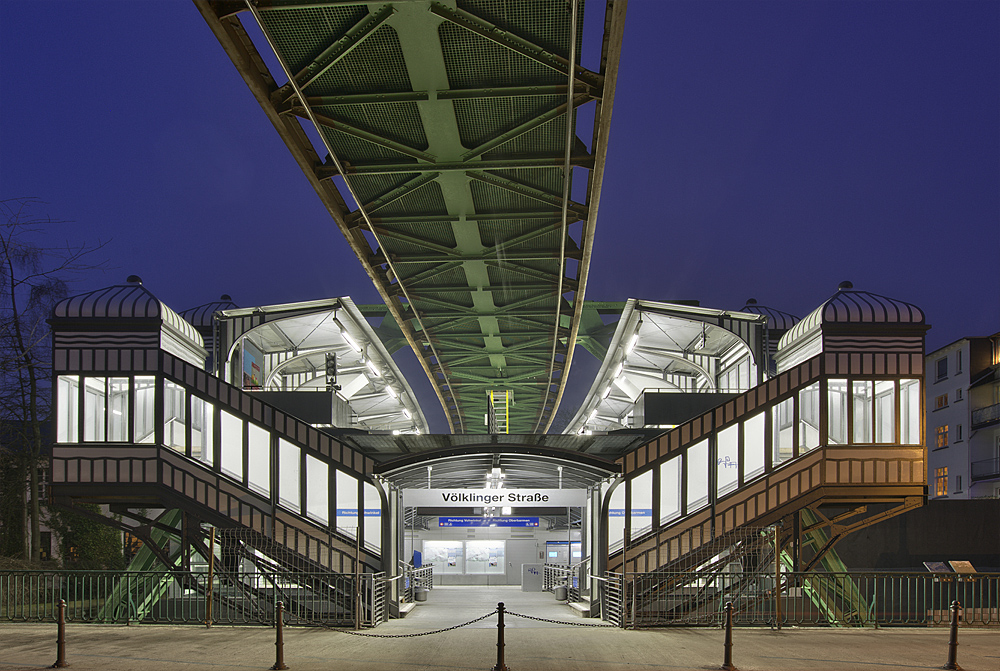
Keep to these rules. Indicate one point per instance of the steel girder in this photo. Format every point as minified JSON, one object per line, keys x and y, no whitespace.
{"x":452,"y":128}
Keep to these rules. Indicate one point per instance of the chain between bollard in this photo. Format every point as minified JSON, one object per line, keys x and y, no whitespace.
{"x":572,"y":624}
{"x":61,"y":637}
{"x":953,"y":638}
{"x":422,"y":633}
{"x":279,"y":640}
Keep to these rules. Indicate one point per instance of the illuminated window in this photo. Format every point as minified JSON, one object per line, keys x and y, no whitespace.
{"x":941,"y":481}
{"x":942,"y":436}
{"x":941,"y":401}
{"x":942,"y":368}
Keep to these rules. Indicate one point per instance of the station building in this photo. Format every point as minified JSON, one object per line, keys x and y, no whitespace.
{"x":285,"y":438}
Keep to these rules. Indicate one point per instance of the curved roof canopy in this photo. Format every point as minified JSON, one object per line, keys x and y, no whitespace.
{"x":445,"y":151}
{"x":670,"y":348}
{"x":295,"y":339}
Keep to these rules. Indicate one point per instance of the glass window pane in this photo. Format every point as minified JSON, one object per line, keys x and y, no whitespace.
{"x":863,"y":406}
{"x":885,"y":411}
{"x":347,"y":504}
{"x":259,"y":459}
{"x":94,"y":408}
{"x":697,"y":476}
{"x":118,"y":409}
{"x":753,"y":446}
{"x":201,"y":430}
{"x":174,"y":412}
{"x":373,"y":524}
{"x":837,"y":412}
{"x":317,"y":489}
{"x":727,"y":460}
{"x":809,"y":418}
{"x":68,"y":409}
{"x":145,"y":409}
{"x":909,"y":406}
{"x":782,"y":431}
{"x":288,"y":475}
{"x":232,"y":445}
{"x":642,"y":504}
{"x":670,"y":490}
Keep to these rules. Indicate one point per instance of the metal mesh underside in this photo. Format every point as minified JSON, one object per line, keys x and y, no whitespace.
{"x":505,"y":257}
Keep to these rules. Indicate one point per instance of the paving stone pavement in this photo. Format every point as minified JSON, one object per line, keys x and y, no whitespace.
{"x":530,"y":645}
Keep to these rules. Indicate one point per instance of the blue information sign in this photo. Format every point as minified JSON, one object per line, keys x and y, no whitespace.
{"x":487,"y":521}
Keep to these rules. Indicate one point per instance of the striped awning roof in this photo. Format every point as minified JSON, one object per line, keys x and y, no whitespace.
{"x":848,"y":306}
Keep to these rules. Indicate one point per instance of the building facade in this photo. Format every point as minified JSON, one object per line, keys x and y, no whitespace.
{"x":963,"y":419}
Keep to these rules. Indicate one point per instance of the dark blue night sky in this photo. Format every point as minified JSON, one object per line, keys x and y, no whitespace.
{"x":764,"y":149}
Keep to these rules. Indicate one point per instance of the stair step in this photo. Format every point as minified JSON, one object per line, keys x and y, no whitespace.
{"x":405,"y":608}
{"x":581,"y":606}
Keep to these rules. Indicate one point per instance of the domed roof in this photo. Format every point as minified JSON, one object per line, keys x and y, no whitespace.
{"x":776,"y":319}
{"x":124,"y":301}
{"x":849,"y":306}
{"x":201,"y":316}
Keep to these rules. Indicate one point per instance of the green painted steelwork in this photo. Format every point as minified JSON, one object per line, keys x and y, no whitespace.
{"x":452,"y":127}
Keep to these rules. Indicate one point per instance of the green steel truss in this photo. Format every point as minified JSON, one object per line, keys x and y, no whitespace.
{"x":446,"y":125}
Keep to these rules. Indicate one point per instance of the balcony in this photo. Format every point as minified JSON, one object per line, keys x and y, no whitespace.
{"x":987,"y":469}
{"x":985,"y":416}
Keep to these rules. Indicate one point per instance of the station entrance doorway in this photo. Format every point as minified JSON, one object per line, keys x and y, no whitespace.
{"x":494,"y":517}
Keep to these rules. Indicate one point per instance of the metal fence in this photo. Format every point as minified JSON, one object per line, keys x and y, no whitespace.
{"x":851,"y":599}
{"x":330,"y":599}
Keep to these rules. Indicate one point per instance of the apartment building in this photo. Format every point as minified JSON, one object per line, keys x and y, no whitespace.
{"x":963,"y":419}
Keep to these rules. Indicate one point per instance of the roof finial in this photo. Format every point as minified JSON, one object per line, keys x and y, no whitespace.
{"x":133,"y":279}
{"x":846,"y":284}
{"x":751,"y":301}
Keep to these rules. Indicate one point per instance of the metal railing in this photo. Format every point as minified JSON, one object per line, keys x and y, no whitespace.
{"x":984,"y":416}
{"x":985,"y":469}
{"x":852,"y":599}
{"x":243,"y":598}
{"x":414,"y":578}
{"x":555,"y":576}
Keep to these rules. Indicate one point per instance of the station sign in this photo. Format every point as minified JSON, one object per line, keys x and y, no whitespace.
{"x":479,"y":498}
{"x":487,"y":521}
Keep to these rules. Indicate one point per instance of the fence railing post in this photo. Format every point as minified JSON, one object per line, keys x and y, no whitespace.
{"x":279,"y":639}
{"x":500,"y":666}
{"x":61,"y":637}
{"x":953,"y":639}
{"x":727,"y":660}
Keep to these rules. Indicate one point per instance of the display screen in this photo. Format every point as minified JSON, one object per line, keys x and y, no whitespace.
{"x":253,"y":366}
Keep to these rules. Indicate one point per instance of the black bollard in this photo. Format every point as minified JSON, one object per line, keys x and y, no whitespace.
{"x":500,"y":665}
{"x":727,"y":663}
{"x":953,"y":640}
{"x":61,"y":637}
{"x":279,"y":640}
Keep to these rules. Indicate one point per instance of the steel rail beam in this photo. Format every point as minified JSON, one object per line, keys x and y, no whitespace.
{"x":526,"y":163}
{"x":522,"y":189}
{"x":448,"y":289}
{"x":330,"y":56}
{"x":447,"y":219}
{"x":453,"y":94}
{"x":518,"y":255}
{"x":516,"y":43}
{"x":525,"y":127}
{"x":614,"y":32}
{"x":354,"y":131}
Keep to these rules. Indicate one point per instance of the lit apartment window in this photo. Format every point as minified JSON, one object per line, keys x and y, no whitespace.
{"x":941,"y":401}
{"x":942,"y":436}
{"x":942,"y":368}
{"x":941,"y":481}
